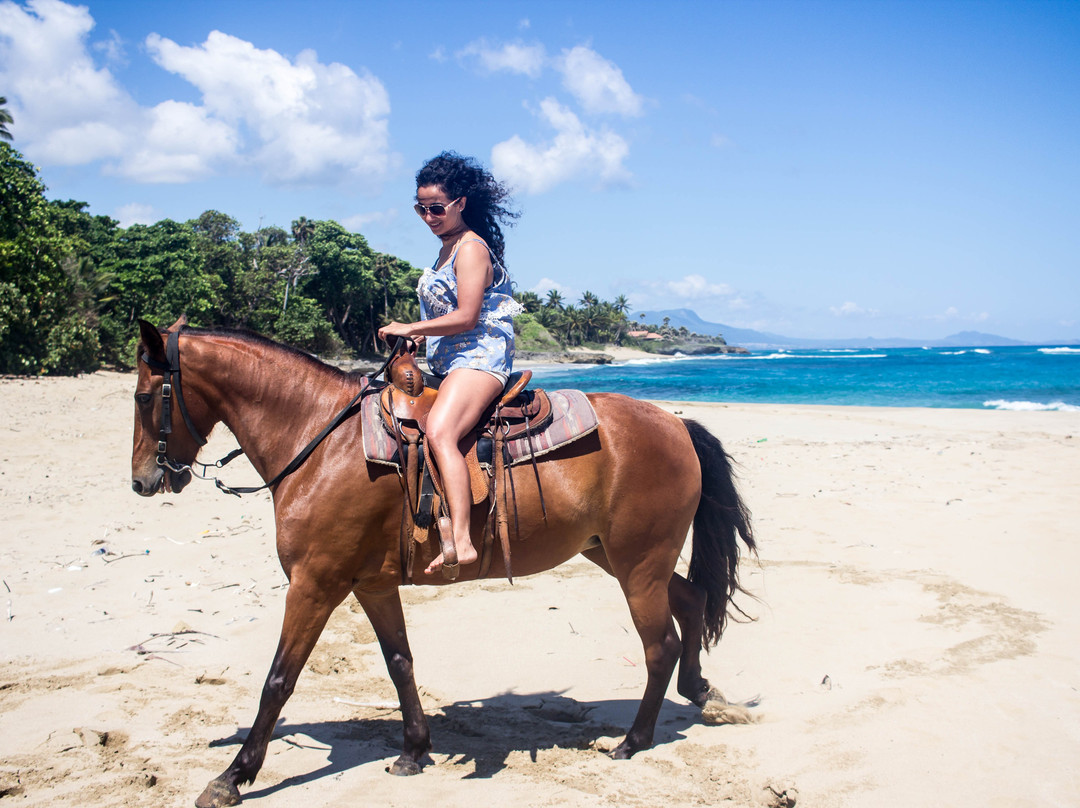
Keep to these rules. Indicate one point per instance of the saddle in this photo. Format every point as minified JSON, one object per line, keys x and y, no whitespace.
{"x":404,"y":405}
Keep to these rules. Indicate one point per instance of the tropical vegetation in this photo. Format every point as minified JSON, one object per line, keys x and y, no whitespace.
{"x":72,"y":285}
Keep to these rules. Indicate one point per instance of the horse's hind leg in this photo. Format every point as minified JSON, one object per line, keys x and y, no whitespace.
{"x":308,"y":606}
{"x":651,"y":614}
{"x":384,"y":611}
{"x":687,"y":603}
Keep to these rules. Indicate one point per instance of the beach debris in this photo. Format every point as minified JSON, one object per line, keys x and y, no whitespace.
{"x":373,"y":705}
{"x":761,"y":440}
{"x":606,"y":743}
{"x":125,"y":555}
{"x":92,"y":737}
{"x":826,"y":683}
{"x":10,"y":616}
{"x":203,"y":679}
{"x":170,"y":642}
{"x":780,"y":797}
{"x":180,"y":543}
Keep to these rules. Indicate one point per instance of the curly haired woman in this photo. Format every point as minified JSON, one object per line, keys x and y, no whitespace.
{"x":467,"y":310}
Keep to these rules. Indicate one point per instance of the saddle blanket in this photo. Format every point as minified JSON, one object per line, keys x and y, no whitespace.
{"x":572,"y":417}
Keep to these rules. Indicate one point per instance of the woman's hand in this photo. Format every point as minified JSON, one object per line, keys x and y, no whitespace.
{"x":396,"y":329}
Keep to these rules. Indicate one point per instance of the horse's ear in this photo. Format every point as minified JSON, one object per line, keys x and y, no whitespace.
{"x":151,"y":340}
{"x":181,"y":321}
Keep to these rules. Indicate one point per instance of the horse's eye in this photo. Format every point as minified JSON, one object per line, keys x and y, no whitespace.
{"x":143,"y":398}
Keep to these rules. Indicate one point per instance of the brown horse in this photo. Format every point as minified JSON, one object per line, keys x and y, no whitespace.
{"x":338,"y":518}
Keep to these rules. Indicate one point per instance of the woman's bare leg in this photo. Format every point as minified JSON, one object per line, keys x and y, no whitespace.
{"x":463,"y":396}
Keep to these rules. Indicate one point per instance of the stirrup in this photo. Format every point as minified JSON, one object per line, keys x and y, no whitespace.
{"x":450,"y":566}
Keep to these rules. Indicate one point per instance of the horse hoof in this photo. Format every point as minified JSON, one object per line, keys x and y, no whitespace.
{"x":404,"y":767}
{"x":218,"y":795}
{"x":623,"y":752}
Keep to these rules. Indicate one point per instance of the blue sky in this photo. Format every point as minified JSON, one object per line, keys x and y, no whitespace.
{"x":816,"y":169}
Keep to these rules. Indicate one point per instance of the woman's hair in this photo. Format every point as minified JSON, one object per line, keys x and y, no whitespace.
{"x":487,"y":199}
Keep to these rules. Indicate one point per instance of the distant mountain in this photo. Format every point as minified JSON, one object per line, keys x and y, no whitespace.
{"x":749,"y":338}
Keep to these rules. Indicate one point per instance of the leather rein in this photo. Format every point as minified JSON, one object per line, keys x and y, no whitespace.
{"x":171,"y":386}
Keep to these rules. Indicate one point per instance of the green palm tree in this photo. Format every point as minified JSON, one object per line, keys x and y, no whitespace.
{"x":530,"y":300}
{"x":588,"y":299}
{"x":5,"y":119}
{"x":554,"y":300}
{"x":302,"y":229}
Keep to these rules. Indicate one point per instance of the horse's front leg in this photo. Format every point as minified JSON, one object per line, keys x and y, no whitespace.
{"x":387,"y":619}
{"x":308,"y":606}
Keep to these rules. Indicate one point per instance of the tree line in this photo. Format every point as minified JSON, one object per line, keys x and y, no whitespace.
{"x":72,"y":285}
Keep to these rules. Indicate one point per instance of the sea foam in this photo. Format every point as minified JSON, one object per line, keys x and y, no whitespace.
{"x":1031,"y":406}
{"x":1059,"y":350}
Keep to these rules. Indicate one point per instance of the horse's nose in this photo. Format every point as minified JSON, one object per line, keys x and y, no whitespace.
{"x":136,"y":486}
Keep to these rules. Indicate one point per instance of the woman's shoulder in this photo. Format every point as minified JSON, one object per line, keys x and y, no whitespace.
{"x":472,"y":248}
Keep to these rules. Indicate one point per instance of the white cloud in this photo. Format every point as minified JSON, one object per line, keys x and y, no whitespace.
{"x":576,"y":152}
{"x":297,"y":121}
{"x":597,"y":84}
{"x":545,"y":285}
{"x":513,"y":57}
{"x":180,"y":143}
{"x":69,"y":111}
{"x":851,"y":309}
{"x":311,"y":122}
{"x":382,"y":218}
{"x":112,"y":48}
{"x":136,"y":213}
{"x":953,"y":313}
{"x":694,"y":287}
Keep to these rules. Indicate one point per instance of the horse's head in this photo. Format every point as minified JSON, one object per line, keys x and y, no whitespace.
{"x":166,"y":440}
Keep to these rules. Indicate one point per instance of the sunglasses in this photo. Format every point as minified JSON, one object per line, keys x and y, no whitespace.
{"x":438,"y":209}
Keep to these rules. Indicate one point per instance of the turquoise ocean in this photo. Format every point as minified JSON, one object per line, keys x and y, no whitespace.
{"x":1010,"y":378}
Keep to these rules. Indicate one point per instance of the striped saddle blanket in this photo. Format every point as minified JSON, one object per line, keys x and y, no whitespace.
{"x":572,"y":417}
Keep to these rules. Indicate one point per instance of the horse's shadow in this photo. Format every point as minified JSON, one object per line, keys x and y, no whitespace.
{"x":483,"y":733}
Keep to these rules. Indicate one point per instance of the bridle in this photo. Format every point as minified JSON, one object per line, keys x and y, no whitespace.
{"x":170,"y":368}
{"x":171,"y":385}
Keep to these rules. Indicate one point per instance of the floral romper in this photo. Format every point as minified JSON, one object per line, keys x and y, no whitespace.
{"x":490,"y":345}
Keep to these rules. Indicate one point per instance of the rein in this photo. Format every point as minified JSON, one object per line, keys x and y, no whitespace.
{"x":171,"y":369}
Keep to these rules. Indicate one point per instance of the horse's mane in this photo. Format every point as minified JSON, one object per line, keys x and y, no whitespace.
{"x":253,"y":338}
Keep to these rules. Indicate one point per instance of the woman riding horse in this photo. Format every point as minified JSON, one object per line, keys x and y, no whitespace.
{"x":467,"y":310}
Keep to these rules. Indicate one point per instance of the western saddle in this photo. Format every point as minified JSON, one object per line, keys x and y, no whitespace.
{"x":405,"y":403}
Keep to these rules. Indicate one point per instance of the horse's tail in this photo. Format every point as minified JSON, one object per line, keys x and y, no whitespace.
{"x":720,"y":519}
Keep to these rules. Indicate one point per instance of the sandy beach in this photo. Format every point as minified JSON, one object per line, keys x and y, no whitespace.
{"x":917,"y":639}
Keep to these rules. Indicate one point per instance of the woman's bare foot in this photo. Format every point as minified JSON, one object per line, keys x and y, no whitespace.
{"x":466,"y":554}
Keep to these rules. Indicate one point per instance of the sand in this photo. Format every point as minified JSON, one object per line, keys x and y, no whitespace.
{"x":917,"y":639}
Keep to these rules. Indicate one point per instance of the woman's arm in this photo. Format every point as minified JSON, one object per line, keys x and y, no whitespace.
{"x":474,"y":272}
